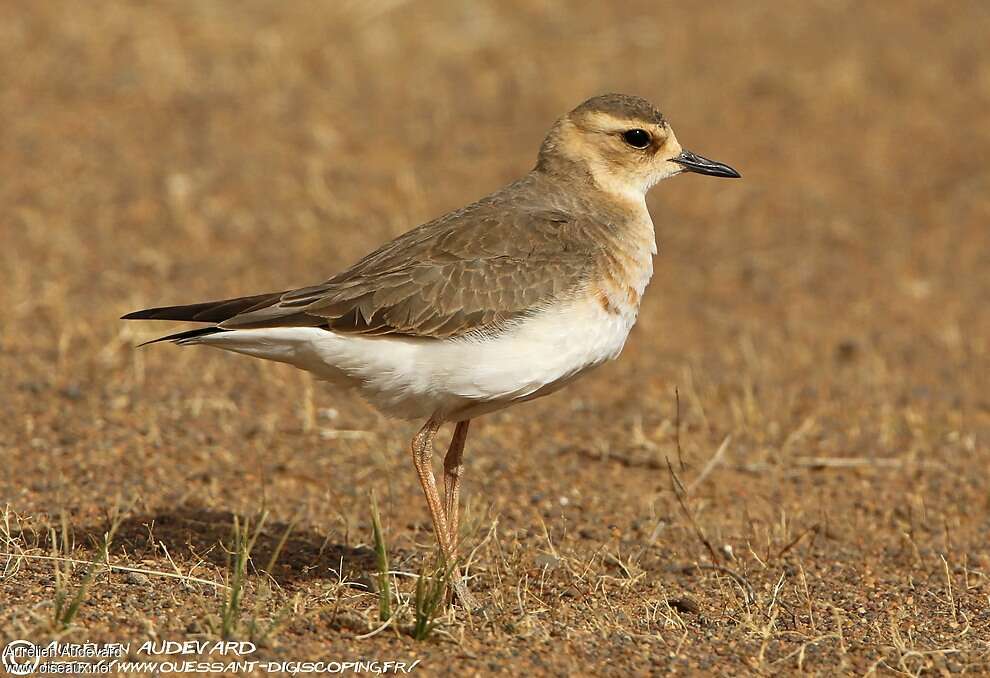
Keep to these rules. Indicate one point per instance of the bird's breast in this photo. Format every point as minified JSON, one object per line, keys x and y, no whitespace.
{"x":625,"y":269}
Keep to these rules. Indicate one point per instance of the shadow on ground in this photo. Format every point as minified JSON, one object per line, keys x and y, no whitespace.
{"x":193,"y":533}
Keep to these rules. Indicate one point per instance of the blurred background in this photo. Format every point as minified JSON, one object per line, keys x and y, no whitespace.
{"x":832,"y":304}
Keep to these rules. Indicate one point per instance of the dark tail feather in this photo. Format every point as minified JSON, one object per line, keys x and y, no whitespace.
{"x":180,"y":337}
{"x":208,"y":312}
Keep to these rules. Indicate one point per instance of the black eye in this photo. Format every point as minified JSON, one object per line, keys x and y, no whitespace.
{"x":637,"y":138}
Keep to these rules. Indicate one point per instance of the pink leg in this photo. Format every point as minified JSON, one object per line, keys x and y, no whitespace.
{"x":422,"y":452}
{"x":453,"y":468}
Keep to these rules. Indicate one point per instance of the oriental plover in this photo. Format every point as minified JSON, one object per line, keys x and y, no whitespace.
{"x":500,"y":302}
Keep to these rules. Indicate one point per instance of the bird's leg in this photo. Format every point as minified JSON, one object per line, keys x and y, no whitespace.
{"x":422,"y":452}
{"x":452,"y":469}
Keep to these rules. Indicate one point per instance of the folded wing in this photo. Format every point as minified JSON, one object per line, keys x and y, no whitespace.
{"x":475,"y":270}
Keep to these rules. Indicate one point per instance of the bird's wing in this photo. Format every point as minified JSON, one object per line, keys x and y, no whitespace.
{"x":474,"y":270}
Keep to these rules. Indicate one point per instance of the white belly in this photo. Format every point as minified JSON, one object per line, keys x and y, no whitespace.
{"x":460,"y":378}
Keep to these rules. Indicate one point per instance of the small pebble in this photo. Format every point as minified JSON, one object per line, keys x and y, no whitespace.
{"x":137,"y":579}
{"x":685,"y":604}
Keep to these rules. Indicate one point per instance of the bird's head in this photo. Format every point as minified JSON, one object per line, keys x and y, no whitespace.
{"x":624,"y":144}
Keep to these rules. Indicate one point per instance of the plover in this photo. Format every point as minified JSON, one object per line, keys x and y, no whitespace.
{"x":500,"y":302}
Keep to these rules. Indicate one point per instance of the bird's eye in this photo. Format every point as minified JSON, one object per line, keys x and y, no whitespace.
{"x":637,"y":138}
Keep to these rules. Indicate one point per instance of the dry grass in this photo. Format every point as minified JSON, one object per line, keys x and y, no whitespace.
{"x":826,"y":316}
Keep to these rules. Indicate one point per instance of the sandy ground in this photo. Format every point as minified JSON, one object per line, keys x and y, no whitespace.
{"x":824,"y":507}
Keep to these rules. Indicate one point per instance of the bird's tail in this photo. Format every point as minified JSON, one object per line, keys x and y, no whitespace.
{"x":207,"y":312}
{"x":187,"y":337}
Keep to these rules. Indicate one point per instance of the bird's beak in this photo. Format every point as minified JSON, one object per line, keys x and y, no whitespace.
{"x":695,"y":163}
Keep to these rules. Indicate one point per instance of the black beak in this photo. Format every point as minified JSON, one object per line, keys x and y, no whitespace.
{"x":695,"y":163}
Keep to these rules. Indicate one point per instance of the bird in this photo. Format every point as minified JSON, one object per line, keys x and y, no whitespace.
{"x":500,"y":302}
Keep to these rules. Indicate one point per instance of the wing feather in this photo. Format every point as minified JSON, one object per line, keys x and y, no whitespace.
{"x":476,"y":269}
